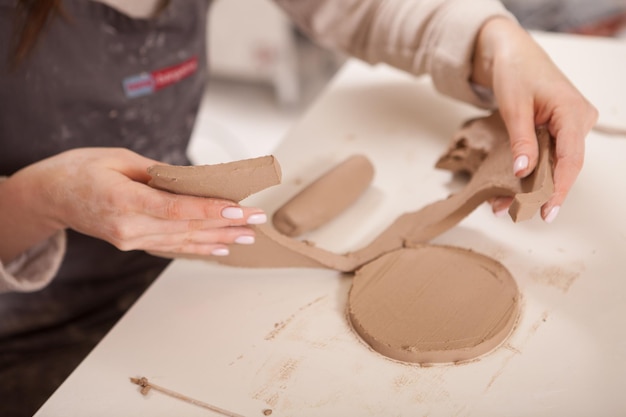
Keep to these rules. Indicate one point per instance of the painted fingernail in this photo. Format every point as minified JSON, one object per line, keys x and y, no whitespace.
{"x":259,"y":218}
{"x":245,"y":240}
{"x":520,"y":164}
{"x":552,"y":214}
{"x":232,"y":213}
{"x":220,"y":252}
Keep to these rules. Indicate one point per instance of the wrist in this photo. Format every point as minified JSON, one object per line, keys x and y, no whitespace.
{"x":491,"y":42}
{"x":24,"y":215}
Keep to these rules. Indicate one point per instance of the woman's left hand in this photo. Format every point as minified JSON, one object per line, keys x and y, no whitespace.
{"x":530,"y":91}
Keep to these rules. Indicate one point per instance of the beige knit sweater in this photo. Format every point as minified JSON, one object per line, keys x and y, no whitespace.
{"x":433,"y":37}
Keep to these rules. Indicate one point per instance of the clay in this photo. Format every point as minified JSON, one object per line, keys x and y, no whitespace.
{"x":472,"y":143}
{"x":478,"y":137}
{"x":231,"y":181}
{"x":538,"y":186}
{"x":492,"y":178}
{"x":325,"y":198}
{"x":410,"y":301}
{"x":433,"y":304}
{"x":275,"y":250}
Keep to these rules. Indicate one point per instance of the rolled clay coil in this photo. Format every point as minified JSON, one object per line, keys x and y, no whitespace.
{"x":433,"y":304}
{"x":325,"y":198}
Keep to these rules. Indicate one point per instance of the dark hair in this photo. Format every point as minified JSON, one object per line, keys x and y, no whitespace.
{"x":30,"y":20}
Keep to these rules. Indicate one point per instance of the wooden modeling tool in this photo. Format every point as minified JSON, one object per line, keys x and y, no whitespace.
{"x":146,"y":386}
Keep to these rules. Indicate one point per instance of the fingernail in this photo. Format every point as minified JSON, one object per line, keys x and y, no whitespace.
{"x":232,"y":213}
{"x":220,"y":252}
{"x":501,"y":212}
{"x":552,"y":214}
{"x":245,"y":240}
{"x":520,"y":164}
{"x":259,"y":218}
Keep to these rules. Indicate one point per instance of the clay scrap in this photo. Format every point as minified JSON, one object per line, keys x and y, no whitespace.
{"x":472,"y":143}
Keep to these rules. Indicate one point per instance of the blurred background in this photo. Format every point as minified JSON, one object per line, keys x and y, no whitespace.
{"x":264,"y":72}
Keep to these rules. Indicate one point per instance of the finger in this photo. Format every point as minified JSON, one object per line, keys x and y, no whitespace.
{"x":500,"y":205}
{"x":569,"y":159}
{"x":176,"y":242}
{"x":164,"y":205}
{"x":225,"y":236}
{"x":194,"y":250}
{"x":131,"y":164}
{"x":133,"y":227}
{"x":198,"y":244}
{"x":519,"y":119}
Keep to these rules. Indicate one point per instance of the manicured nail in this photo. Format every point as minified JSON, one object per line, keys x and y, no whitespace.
{"x":552,"y":214}
{"x":259,"y":218}
{"x":220,"y":252}
{"x":520,"y":164}
{"x":232,"y":213}
{"x":245,"y":240}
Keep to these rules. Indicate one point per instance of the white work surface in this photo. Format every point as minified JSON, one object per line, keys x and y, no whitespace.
{"x":247,"y":340}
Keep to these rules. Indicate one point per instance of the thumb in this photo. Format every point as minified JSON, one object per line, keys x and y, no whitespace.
{"x":130,"y":164}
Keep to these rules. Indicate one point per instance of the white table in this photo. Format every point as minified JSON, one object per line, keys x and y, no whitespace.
{"x":248,"y":340}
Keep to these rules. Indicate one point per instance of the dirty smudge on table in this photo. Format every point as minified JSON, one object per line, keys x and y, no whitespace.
{"x":557,"y":276}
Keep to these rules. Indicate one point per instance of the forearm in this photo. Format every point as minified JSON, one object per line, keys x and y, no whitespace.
{"x":22,"y":226}
{"x":434,"y":37}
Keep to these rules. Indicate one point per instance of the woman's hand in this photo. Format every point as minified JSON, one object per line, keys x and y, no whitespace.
{"x":531,"y":91}
{"x":102,"y":192}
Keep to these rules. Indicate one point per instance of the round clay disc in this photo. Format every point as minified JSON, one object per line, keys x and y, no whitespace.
{"x":433,"y":304}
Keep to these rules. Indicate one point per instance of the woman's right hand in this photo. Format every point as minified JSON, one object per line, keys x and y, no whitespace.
{"x":103,"y":192}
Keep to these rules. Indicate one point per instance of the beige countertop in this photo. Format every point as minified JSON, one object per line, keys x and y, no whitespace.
{"x":247,"y":340}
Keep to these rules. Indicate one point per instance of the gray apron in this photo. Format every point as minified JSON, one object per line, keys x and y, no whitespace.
{"x":97,"y":78}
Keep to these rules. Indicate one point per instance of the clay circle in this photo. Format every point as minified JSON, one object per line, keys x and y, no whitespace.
{"x":433,"y":304}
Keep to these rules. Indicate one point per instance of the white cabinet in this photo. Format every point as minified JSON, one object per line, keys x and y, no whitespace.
{"x":253,"y":40}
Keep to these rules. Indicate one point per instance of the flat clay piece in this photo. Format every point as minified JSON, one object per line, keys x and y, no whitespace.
{"x":325,"y":198}
{"x":433,"y":304}
{"x":231,"y":181}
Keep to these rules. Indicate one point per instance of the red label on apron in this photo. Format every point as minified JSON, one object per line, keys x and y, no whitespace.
{"x":149,"y":82}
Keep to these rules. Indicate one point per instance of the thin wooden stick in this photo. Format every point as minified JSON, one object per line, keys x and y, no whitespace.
{"x":609,"y":130}
{"x":146,"y":386}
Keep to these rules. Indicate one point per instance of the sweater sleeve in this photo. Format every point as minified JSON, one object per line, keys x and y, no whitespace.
{"x":434,"y":37}
{"x":35,"y":268}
